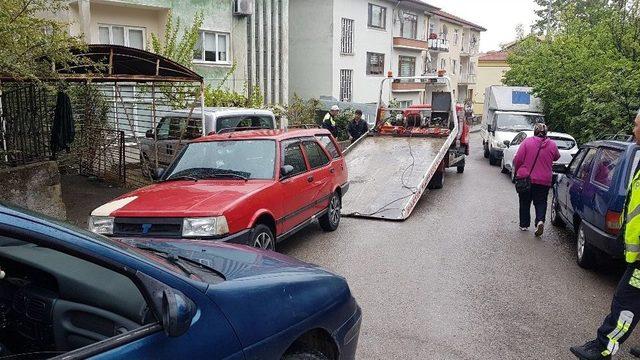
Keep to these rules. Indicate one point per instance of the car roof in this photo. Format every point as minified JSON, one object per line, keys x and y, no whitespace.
{"x":611,"y":143}
{"x":266,"y":134}
{"x":224,"y":111}
{"x":550,"y":134}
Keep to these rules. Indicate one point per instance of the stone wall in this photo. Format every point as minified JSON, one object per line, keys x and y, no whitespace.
{"x":35,"y":187}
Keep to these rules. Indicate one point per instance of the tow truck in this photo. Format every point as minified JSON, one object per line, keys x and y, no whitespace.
{"x":406,"y":151}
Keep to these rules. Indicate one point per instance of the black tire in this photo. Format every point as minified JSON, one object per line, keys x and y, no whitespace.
{"x":585,"y":253}
{"x":556,"y":219}
{"x":460,"y":169}
{"x":486,"y":150}
{"x":437,"y":181}
{"x":503,"y":169}
{"x":305,"y":355}
{"x":493,"y":160}
{"x":262,"y":238}
{"x":331,"y":219}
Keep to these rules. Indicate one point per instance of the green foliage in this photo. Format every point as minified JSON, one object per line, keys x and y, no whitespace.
{"x":178,"y":43}
{"x":30,"y":43}
{"x":219,"y":97}
{"x":587,"y":74}
{"x":342,"y":121}
{"x":302,"y":112}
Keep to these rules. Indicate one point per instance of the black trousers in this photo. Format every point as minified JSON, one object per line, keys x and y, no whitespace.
{"x":538,"y":194}
{"x":625,"y":311}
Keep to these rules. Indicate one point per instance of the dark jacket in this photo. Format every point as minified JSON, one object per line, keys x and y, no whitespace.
{"x":329,"y":123}
{"x":63,"y":128}
{"x":357,"y":129}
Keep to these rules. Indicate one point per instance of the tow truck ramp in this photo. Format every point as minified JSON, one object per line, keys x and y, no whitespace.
{"x":389,"y":174}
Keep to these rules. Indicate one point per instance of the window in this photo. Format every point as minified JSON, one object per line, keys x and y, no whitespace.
{"x":176,"y":128}
{"x":573,"y":166}
{"x":432,"y":28}
{"x":254,"y":121}
{"x":121,"y":35}
{"x":455,"y":37}
{"x":409,"y":26}
{"x":605,"y":167}
{"x":454,"y":65}
{"x":404,"y":104}
{"x":443,"y":64}
{"x":407,"y":66}
{"x":346,"y":43}
{"x":585,"y":167}
{"x":563,"y":143}
{"x":346,"y":85}
{"x":293,"y":156}
{"x":212,"y":47}
{"x":325,"y":140}
{"x":518,"y":139}
{"x":375,"y":64}
{"x":377,"y":16}
{"x":317,"y":157}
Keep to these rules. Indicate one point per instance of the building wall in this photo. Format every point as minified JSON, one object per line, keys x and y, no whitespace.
{"x":311,"y":42}
{"x":489,"y":73}
{"x":258,"y":55}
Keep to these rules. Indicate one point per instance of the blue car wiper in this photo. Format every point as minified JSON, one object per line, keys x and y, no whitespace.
{"x":176,"y":260}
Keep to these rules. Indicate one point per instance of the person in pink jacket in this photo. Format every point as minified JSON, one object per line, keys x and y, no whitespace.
{"x":540,"y":171}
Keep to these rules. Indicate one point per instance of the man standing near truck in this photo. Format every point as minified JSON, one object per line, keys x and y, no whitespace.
{"x":625,"y":306}
{"x":357,"y":127}
{"x":329,"y":121}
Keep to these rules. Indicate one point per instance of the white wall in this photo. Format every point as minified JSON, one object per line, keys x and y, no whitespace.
{"x":310,"y":48}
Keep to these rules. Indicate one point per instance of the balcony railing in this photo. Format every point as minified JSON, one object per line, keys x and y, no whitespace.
{"x":467,"y":79}
{"x":411,"y":44}
{"x":468,"y":51}
{"x":439,"y":44}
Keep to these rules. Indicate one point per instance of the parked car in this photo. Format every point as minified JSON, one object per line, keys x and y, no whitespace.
{"x":68,"y":292}
{"x":178,"y":127}
{"x":251,"y":187}
{"x":589,"y":198}
{"x":567,"y":146}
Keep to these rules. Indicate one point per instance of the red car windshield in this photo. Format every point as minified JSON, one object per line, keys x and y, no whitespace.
{"x":245,"y":159}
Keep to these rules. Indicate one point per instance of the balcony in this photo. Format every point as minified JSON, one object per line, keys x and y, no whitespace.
{"x":468,"y":51}
{"x":467,"y":79}
{"x":439,"y":44}
{"x":404,"y":87}
{"x":409,"y":44}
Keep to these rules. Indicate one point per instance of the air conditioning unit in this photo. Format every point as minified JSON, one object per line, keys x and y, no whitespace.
{"x":243,"y":7}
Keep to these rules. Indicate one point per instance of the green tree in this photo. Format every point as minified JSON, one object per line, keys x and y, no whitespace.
{"x":30,"y":43}
{"x":179,"y":43}
{"x":587,"y":74}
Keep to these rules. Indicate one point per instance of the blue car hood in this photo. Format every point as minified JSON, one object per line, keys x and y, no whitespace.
{"x":266,"y":292}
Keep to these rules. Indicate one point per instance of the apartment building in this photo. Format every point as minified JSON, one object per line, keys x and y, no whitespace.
{"x":342,"y":49}
{"x":250,"y":34}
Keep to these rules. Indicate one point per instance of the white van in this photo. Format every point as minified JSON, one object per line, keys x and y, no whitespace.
{"x":178,"y":127}
{"x":507,"y":111}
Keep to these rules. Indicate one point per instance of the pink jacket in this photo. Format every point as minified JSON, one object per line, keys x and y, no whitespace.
{"x":523,"y":161}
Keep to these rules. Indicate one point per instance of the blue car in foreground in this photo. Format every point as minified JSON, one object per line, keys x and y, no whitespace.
{"x":589,"y":198}
{"x":70,"y":294}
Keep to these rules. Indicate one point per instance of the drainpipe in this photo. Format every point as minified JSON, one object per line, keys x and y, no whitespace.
{"x":395,"y":8}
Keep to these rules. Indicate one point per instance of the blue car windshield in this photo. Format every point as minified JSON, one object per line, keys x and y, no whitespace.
{"x":245,"y":159}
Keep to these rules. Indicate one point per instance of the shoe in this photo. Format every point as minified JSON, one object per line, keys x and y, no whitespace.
{"x":524,"y":228}
{"x":539,"y":228}
{"x":635,"y":352}
{"x":592,"y":350}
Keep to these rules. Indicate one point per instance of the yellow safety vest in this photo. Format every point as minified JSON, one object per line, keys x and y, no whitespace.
{"x":330,"y":118}
{"x":631,"y":220}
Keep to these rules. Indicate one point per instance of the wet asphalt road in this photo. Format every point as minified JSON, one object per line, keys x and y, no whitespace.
{"x":458,"y":280}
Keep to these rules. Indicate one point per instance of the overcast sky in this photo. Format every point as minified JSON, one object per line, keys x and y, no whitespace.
{"x":499,"y":17}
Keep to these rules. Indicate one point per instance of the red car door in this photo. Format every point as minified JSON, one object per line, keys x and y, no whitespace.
{"x":321,"y":174}
{"x":295,"y":187}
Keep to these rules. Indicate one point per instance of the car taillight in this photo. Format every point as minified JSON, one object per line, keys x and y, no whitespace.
{"x":612,"y":222}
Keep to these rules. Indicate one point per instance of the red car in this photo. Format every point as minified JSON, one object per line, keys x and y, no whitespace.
{"x":252,"y":187}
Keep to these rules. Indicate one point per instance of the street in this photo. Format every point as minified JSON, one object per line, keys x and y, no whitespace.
{"x":459,"y":280}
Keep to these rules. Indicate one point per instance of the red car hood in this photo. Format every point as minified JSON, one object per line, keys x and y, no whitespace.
{"x":181,"y":198}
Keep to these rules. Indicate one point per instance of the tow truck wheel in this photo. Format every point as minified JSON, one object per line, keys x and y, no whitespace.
{"x":331,"y":219}
{"x":262,"y":238}
{"x":437,"y":181}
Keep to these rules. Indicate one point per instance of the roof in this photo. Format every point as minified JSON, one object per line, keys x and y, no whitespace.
{"x":458,"y":20}
{"x":494,"y":56}
{"x":278,"y":134}
{"x":113,"y":63}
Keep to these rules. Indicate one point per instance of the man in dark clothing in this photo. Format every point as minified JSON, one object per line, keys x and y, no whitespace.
{"x":329,"y":121}
{"x":357,"y":127}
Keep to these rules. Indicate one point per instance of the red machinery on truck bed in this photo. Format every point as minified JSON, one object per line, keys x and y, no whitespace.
{"x":406,"y":152}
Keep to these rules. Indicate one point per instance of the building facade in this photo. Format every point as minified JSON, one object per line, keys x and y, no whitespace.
{"x":342,"y":49}
{"x":491,"y":69}
{"x":248,"y":36}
